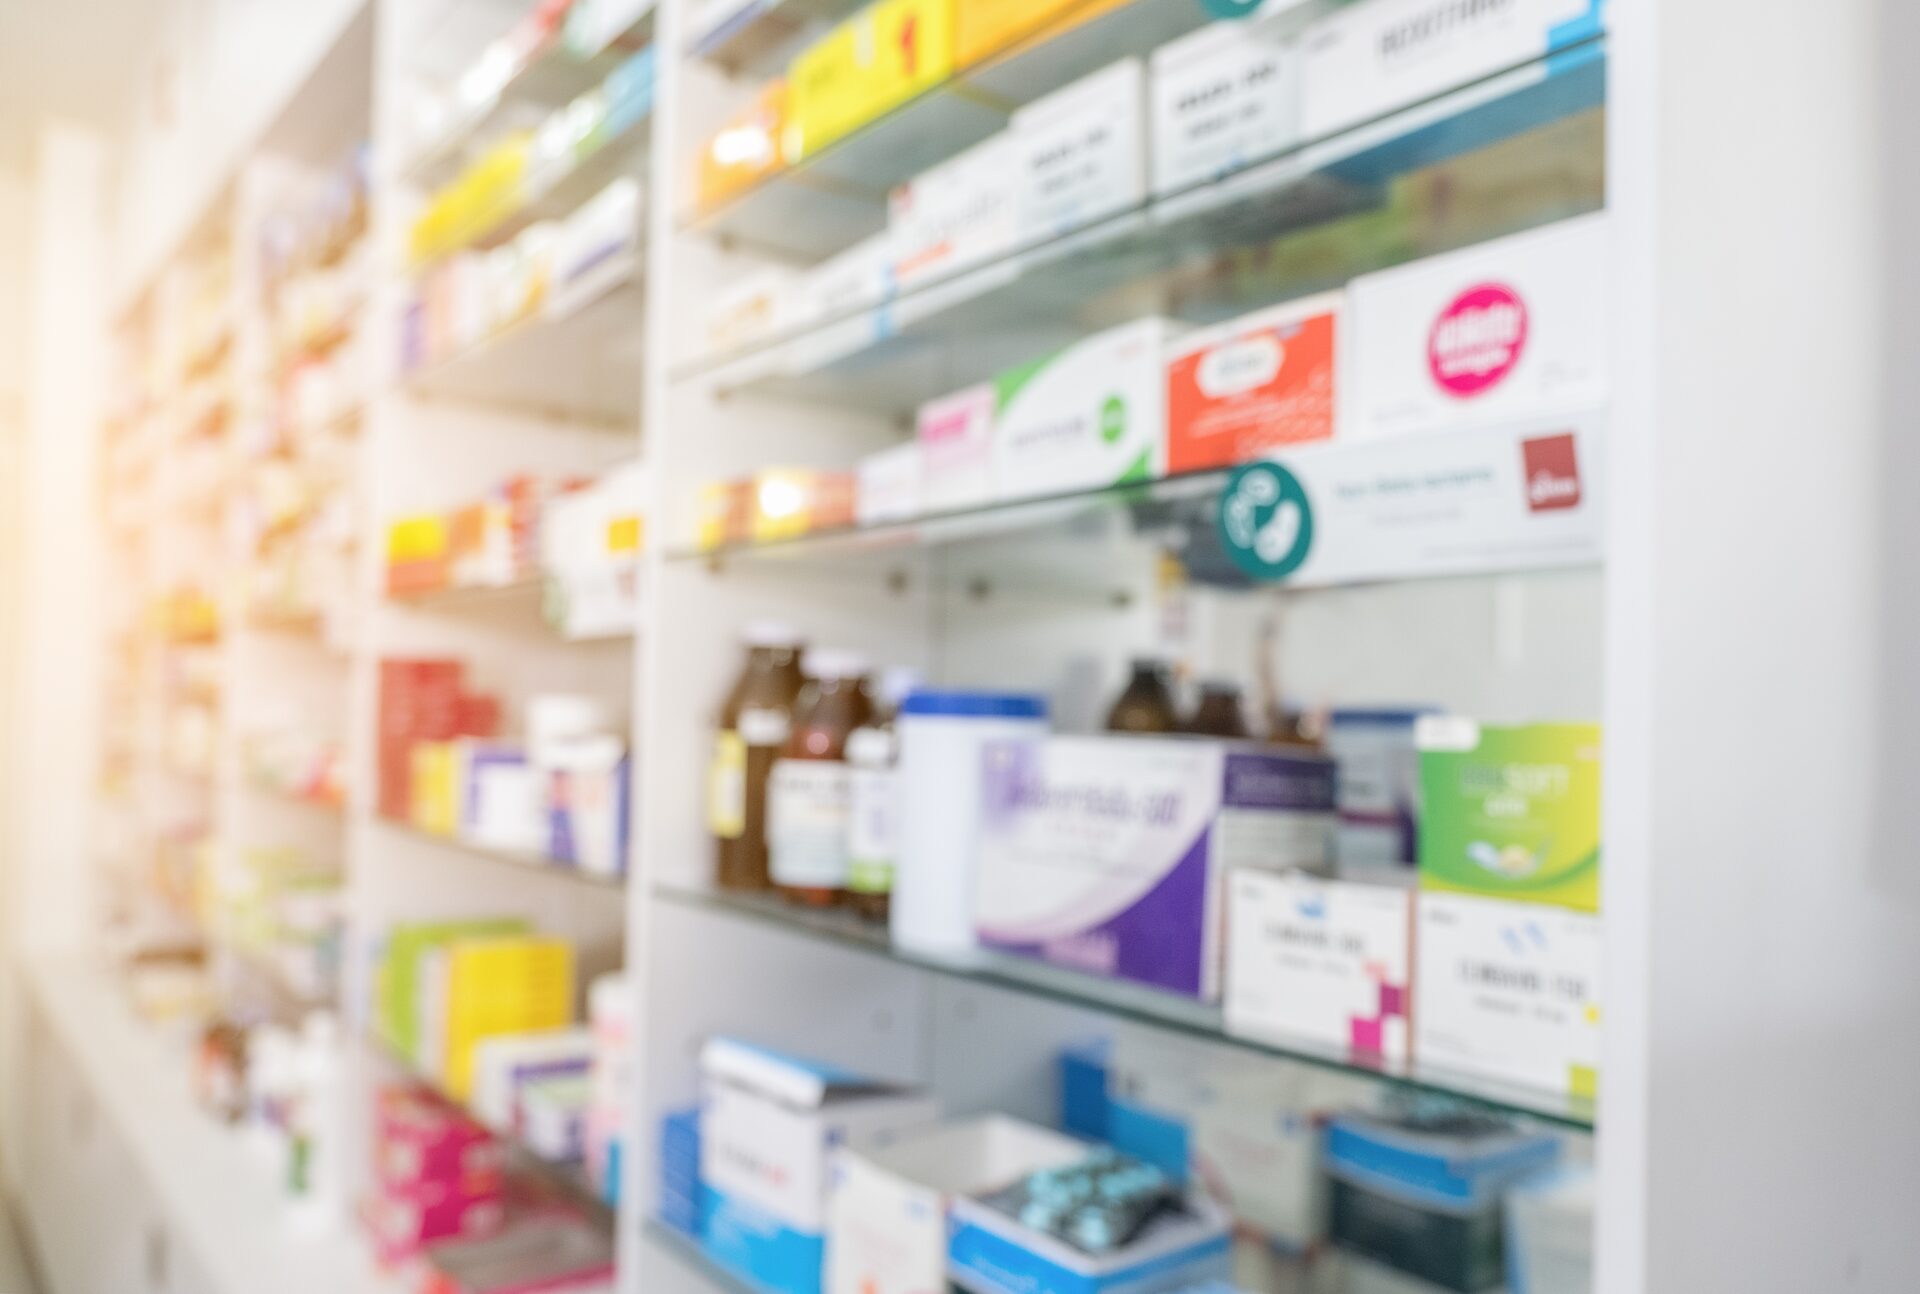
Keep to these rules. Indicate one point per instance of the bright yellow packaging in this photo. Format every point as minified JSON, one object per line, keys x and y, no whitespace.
{"x":434,"y":800}
{"x":744,"y":151}
{"x":496,"y":987}
{"x":982,"y":28}
{"x":871,"y":63}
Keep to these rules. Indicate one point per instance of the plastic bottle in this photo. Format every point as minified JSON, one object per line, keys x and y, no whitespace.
{"x":1147,"y":703}
{"x":1220,"y":713}
{"x":755,"y":723}
{"x":873,"y":829}
{"x":809,"y":797}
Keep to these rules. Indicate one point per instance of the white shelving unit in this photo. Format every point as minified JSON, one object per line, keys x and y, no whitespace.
{"x":1671,"y":629}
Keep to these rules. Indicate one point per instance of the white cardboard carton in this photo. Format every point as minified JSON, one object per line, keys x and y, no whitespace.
{"x":1512,"y":330}
{"x":1080,"y":153}
{"x":859,"y":277}
{"x":1224,"y":97}
{"x":887,"y":1213}
{"x":1090,"y":416}
{"x":1509,"y":991}
{"x":1368,"y":59}
{"x":960,"y":213}
{"x":890,"y":485}
{"x":768,"y":1123}
{"x":1325,"y":961}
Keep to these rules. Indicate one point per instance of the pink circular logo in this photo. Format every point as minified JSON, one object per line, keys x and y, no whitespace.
{"x":1477,"y":340}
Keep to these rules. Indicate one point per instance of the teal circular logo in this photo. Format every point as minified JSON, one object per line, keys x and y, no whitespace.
{"x":1231,"y":8}
{"x":1266,"y":521}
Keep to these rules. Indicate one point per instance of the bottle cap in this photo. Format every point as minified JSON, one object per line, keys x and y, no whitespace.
{"x":769,"y":633}
{"x":836,"y":663}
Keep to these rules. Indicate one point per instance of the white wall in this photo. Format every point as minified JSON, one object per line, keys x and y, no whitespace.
{"x":1760,"y":1132}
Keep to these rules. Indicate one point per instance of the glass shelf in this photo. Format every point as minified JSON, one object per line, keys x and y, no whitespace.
{"x":523,"y":860}
{"x":1125,"y":1001}
{"x":1518,"y":149}
{"x":837,"y":196}
{"x":534,"y":598}
{"x":551,"y":77}
{"x":759,"y":37}
{"x":578,"y":359}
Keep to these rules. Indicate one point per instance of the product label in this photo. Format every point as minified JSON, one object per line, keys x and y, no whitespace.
{"x":727,"y":787}
{"x":1553,"y":472}
{"x":871,"y":833}
{"x":765,"y":727}
{"x":809,"y":811}
{"x":1223,"y":99}
{"x":1082,"y":160}
{"x":1477,"y":339}
{"x":1263,"y":382}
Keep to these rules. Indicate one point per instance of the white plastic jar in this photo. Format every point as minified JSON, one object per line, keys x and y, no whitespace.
{"x":943,"y":737}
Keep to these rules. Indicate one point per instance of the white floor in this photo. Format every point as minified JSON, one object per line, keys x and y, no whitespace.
{"x":13,"y":1266}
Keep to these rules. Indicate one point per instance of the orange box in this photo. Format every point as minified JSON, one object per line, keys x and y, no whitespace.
{"x":982,"y":28}
{"x":744,"y":151}
{"x":1257,"y":383}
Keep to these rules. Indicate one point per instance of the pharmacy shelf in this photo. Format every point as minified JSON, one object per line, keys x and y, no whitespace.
{"x":837,"y":196}
{"x":1188,"y":249}
{"x":1144,"y":1006}
{"x":551,"y":76}
{"x":217,"y":1190}
{"x":569,"y":1179}
{"x":285,"y":795}
{"x":578,"y":359}
{"x":673,"y":1260}
{"x":758,"y":38}
{"x":523,"y":860}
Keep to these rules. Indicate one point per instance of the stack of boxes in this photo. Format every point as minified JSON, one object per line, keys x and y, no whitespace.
{"x":438,"y":1176}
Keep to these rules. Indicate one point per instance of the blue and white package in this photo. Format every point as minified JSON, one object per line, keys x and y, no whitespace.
{"x":991,"y":1253}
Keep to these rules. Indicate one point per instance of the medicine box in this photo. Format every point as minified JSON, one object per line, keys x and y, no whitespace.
{"x":957,"y":214}
{"x":1513,"y":330}
{"x":991,"y":1253}
{"x":1372,"y":58}
{"x":956,"y":442}
{"x":985,"y":27}
{"x":1511,"y":813}
{"x":855,"y":279}
{"x":873,"y":61}
{"x":1329,"y":962}
{"x":1379,"y":793}
{"x":768,"y":1125}
{"x":504,"y":1066}
{"x":1085,"y":418}
{"x":1080,"y":153}
{"x":746,"y":150}
{"x":1259,"y":383}
{"x":890,"y":485}
{"x":1509,"y":991}
{"x":1109,"y":854}
{"x":535,"y":1254}
{"x":1223,"y":98}
{"x":888,"y":1208}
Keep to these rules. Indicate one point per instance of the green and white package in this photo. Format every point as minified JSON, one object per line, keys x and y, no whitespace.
{"x":1090,"y":416}
{"x":1511,"y":813}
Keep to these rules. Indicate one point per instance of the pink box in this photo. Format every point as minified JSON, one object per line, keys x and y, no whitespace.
{"x":402,"y":1224}
{"x":421,"y":1141}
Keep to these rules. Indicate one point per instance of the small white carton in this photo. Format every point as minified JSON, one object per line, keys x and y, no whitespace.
{"x":1324,"y":961}
{"x":1509,"y":991}
{"x":957,"y":214}
{"x":956,"y":444}
{"x":1085,"y":418}
{"x":890,"y":485}
{"x":1081,"y":152}
{"x":1368,"y":59}
{"x":855,"y":279}
{"x":504,"y":1066}
{"x":887,"y":1213}
{"x":1224,"y":97}
{"x":768,"y":1124}
{"x":1514,"y":330}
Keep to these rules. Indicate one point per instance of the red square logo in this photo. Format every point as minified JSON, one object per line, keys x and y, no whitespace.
{"x":1553,"y":473}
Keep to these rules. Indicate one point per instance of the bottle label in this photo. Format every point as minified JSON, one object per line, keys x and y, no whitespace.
{"x":871,"y":832}
{"x":765,"y":727}
{"x":808,"y":810}
{"x":727,"y":787}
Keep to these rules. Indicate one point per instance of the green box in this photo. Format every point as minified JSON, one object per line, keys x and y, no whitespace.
{"x":398,"y":986}
{"x":1511,"y":813}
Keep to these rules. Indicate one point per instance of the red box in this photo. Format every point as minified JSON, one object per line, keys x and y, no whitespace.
{"x":1255,"y":384}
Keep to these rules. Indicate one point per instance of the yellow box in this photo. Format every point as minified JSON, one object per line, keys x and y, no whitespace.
{"x":746,"y":150}
{"x":868,"y":65}
{"x":433,"y":797}
{"x":498,"y":987}
{"x":982,"y":28}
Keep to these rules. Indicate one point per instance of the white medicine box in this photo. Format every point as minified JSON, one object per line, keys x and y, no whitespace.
{"x":1374,"y":57}
{"x":1085,"y":418}
{"x":768,"y":1123}
{"x":1509,"y":991}
{"x":1513,"y":330}
{"x":1325,"y":961}
{"x":888,"y":1209}
{"x":959,"y":213}
{"x":1223,"y":98}
{"x":1080,"y":154}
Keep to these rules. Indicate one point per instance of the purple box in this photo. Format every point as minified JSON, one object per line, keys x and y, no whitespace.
{"x":1106,"y":854}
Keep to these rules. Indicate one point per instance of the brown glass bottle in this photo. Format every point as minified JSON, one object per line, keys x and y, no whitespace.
{"x":1147,"y":703}
{"x":1219,"y":714}
{"x":755,"y":723}
{"x":809,"y":798}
